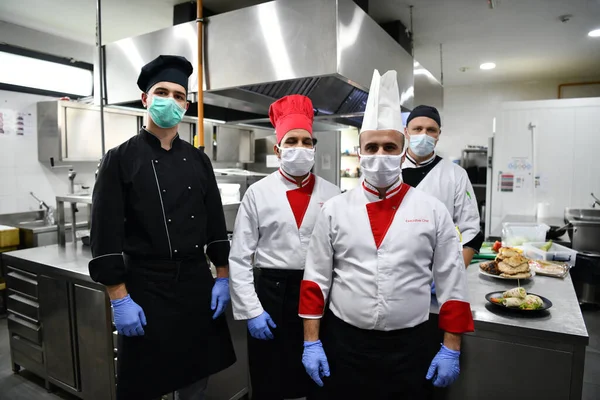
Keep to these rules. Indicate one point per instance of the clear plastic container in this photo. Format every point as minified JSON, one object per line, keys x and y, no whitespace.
{"x":515,"y":234}
{"x":555,"y":253}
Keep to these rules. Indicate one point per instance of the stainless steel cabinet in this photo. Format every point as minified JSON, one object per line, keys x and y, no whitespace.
{"x":81,"y":138}
{"x":58,"y":333}
{"x":95,"y":343}
{"x":69,"y":131}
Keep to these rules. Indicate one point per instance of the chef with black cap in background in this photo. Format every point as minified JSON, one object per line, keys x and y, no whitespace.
{"x":441,"y":178}
{"x":156,"y":215}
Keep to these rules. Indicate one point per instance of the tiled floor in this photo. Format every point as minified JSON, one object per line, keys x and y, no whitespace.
{"x":26,"y":386}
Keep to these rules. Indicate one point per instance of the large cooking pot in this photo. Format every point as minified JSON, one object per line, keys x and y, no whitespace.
{"x":584,"y":228}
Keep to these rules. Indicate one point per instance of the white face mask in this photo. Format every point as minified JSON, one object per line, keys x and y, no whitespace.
{"x":422,"y":145}
{"x":297,"y":161}
{"x":381,"y":170}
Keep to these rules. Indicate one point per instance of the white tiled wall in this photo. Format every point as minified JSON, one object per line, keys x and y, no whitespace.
{"x":20,"y":170}
{"x":469,"y":110}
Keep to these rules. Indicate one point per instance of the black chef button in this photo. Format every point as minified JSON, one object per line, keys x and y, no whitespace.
{"x":192,"y":217}
{"x":155,"y":161}
{"x":164,"y":190}
{"x":189,"y":188}
{"x":175,"y":251}
{"x":184,"y":159}
{"x":169,"y":220}
{"x":196,"y":246}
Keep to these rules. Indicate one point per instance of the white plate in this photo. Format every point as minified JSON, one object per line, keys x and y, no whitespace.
{"x":531,"y":271}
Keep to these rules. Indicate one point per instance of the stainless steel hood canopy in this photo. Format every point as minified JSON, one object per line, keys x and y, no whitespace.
{"x":324,"y":49}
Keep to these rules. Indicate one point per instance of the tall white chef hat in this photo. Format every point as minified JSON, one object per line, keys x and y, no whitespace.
{"x":383,"y":104}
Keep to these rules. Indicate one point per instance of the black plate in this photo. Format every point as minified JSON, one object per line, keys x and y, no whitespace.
{"x":546,"y":303}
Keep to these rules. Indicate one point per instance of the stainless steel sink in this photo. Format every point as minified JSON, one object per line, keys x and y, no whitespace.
{"x":582,"y":214}
{"x":33,"y":224}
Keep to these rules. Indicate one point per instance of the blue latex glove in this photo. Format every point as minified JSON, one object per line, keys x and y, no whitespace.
{"x":129,"y":317}
{"x":432,"y":287}
{"x":445,"y":367}
{"x":315,"y":361}
{"x":220,"y":296}
{"x":259,"y":326}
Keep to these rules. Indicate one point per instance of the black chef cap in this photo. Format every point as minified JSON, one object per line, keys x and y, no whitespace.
{"x":425,"y":111}
{"x":174,"y":69}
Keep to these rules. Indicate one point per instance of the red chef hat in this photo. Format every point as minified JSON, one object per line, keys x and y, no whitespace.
{"x":291,"y":112}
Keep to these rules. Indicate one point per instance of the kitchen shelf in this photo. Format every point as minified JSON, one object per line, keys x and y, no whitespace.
{"x":479,"y":185}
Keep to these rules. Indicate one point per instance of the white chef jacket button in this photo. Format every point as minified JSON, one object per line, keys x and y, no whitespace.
{"x":192,"y":217}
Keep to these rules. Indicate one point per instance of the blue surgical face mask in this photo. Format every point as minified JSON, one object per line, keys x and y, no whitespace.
{"x":165,"y":112}
{"x":422,"y":145}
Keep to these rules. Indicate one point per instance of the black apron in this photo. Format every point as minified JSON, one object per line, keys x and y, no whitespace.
{"x":182,"y":343}
{"x":276,"y":369}
{"x":375,"y":364}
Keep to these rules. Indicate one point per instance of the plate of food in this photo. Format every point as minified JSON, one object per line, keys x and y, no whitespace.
{"x":509,"y":264}
{"x":519,"y":300}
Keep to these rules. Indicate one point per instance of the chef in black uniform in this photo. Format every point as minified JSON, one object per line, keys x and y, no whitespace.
{"x":156,"y":211}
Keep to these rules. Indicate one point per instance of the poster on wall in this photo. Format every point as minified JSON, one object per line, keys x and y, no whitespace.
{"x":507,"y":182}
{"x":15,"y":123}
{"x":6,"y":121}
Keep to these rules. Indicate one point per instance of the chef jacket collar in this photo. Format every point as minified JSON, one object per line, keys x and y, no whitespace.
{"x":373,"y":194}
{"x":153,"y":141}
{"x":412,"y":163}
{"x":290,"y":180}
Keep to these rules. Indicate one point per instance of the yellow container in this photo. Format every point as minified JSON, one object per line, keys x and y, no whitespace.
{"x":9,"y":236}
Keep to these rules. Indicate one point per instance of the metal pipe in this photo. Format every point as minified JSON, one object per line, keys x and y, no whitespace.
{"x":100,"y":70}
{"x":200,"y":125}
{"x":575,"y":84}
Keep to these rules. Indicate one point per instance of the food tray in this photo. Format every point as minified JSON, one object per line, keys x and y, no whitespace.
{"x":556,"y":252}
{"x":549,"y":268}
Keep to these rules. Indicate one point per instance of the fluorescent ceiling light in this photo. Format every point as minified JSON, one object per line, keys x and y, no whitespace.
{"x":488,"y":65}
{"x":45,"y":75}
{"x":594,"y":33}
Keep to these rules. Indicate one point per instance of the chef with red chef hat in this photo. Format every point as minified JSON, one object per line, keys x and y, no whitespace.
{"x":373,"y":254}
{"x":272,"y":231}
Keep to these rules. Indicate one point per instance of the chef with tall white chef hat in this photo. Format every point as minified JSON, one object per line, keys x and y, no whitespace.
{"x":272,"y":231}
{"x":441,"y":178}
{"x":372,"y":256}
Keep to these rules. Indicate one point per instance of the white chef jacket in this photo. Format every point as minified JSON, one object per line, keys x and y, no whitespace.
{"x":386,"y":287}
{"x":449,"y":183}
{"x":266,"y":235}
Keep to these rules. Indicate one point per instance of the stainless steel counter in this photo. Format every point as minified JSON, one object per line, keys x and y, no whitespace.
{"x":69,"y":261}
{"x":511,"y":355}
{"x":563,"y":321}
{"x":67,"y":267}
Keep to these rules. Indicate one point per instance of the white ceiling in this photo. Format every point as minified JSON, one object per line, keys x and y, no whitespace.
{"x":523,"y":37}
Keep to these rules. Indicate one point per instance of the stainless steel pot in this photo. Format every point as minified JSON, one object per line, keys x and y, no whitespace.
{"x":584,"y":228}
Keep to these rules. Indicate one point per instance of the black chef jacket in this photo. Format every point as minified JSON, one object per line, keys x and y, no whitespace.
{"x":152,"y":203}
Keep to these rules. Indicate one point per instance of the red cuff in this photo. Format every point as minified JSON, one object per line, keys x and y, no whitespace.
{"x":456,"y":317}
{"x":311,"y":299}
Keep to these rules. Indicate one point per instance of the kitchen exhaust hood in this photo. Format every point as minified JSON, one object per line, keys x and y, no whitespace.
{"x":324,"y":49}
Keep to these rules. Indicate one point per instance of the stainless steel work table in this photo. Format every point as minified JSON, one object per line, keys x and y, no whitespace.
{"x":511,"y":355}
{"x":68,"y":267}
